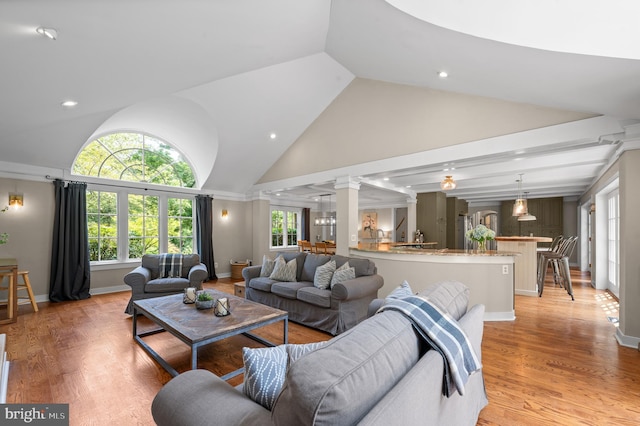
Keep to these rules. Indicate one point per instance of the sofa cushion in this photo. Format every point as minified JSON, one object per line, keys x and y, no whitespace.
{"x":163,"y":285}
{"x":287,"y":289}
{"x":267,"y":266}
{"x":315,"y":296}
{"x":311,"y":264}
{"x":322,"y":277}
{"x":283,"y":270}
{"x":366,"y":362}
{"x":262,"y":283}
{"x":265,"y":369}
{"x":362,"y":266}
{"x":449,"y":296}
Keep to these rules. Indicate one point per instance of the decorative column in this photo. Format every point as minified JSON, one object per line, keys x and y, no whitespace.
{"x":346,"y":214}
{"x":412,"y":203}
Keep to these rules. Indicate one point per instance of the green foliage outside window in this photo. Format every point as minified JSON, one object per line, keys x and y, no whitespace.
{"x":143,"y":225}
{"x":134,"y":157}
{"x":102,"y":218}
{"x":180,"y":225}
{"x":284,"y":228}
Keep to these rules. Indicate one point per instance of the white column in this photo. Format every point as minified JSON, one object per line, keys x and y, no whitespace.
{"x":346,"y":214}
{"x":412,"y":223}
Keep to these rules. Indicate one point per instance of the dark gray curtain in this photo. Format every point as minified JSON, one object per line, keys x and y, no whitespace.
{"x":306,"y":224}
{"x":70,"y":272}
{"x":204,"y":229}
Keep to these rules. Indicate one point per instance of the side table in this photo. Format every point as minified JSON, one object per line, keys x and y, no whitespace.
{"x":239,"y":288}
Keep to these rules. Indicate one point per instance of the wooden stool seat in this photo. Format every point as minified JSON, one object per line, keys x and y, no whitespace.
{"x":25,"y":285}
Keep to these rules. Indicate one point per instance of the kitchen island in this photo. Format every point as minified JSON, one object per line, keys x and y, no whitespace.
{"x":526,"y":265}
{"x":489,"y":275}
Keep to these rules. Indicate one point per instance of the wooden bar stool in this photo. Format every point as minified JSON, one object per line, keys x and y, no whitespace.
{"x":25,"y":285}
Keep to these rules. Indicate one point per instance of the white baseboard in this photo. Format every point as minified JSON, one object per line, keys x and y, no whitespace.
{"x":499,"y":316}
{"x":627,"y":341}
{"x":530,"y":293}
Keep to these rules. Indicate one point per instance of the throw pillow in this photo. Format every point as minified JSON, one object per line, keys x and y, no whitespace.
{"x":284,"y":271}
{"x":264,"y":373}
{"x":267,"y":266}
{"x":322,"y":277}
{"x":266,"y":368}
{"x":344,"y":266}
{"x":341,"y":275}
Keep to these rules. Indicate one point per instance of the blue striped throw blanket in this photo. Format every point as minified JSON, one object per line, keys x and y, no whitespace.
{"x":170,"y":266}
{"x":443,"y":334}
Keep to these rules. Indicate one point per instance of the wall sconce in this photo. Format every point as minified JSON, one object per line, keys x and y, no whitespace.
{"x":225,"y":214}
{"x":16,"y":200}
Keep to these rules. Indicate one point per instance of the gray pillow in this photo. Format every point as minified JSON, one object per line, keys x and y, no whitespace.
{"x":341,"y":275}
{"x":403,"y":290}
{"x":323,"y":275}
{"x":267,"y":266}
{"x":284,"y":271}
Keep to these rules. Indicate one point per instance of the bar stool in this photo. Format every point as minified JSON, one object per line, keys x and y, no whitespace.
{"x":25,"y":285}
{"x":560,"y":263}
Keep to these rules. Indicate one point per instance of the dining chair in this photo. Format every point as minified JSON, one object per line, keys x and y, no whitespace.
{"x":321,"y":247}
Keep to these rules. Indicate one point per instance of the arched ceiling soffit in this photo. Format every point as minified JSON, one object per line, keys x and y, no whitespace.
{"x":181,"y":122}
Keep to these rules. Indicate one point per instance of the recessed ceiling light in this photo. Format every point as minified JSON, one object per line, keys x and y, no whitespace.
{"x":49,"y":33}
{"x":408,"y":186}
{"x":443,"y":74}
{"x":272,"y":136}
{"x":385,"y":179}
{"x":69,"y":104}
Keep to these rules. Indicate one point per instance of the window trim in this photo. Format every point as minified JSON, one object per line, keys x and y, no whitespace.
{"x":285,"y":210}
{"x":122,"y":196}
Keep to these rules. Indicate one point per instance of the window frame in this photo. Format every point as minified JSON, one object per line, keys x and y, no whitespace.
{"x":122,"y":199}
{"x":286,"y":210}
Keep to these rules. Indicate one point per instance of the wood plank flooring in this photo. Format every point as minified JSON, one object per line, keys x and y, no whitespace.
{"x":557,"y":363}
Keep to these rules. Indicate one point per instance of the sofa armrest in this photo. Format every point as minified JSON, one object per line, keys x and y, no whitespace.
{"x":473,"y":325}
{"x":137,"y":279}
{"x":251,"y":272}
{"x":357,"y":288}
{"x":200,"y":398}
{"x":197,"y":274}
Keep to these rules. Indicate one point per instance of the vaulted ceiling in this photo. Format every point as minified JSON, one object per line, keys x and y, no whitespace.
{"x":216,"y":78}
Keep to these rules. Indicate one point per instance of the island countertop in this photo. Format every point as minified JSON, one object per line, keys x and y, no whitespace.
{"x":404,"y":249}
{"x":531,"y":239}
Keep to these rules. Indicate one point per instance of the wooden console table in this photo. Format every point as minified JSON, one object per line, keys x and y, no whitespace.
{"x":11,"y":266}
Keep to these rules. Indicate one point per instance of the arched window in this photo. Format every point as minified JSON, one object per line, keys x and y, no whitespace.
{"x":134,"y":157}
{"x":125,"y":223}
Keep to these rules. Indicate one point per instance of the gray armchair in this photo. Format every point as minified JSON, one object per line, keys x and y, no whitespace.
{"x":145,"y":281}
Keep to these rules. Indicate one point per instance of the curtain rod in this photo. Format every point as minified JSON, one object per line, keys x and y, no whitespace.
{"x":110,"y":185}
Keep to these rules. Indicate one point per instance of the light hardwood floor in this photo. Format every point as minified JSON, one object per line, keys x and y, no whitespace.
{"x":557,"y":363}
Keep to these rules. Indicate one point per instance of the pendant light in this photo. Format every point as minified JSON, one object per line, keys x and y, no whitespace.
{"x":520,"y":205}
{"x":325,"y":219}
{"x":526,"y":216}
{"x":448,"y":183}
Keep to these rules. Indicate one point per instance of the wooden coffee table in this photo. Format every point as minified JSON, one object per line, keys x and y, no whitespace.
{"x":197,"y":327}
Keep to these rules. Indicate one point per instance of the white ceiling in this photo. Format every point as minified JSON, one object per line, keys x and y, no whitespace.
{"x":231,"y":72}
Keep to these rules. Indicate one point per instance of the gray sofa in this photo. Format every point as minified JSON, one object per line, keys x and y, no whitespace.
{"x":333,"y":310}
{"x":145,"y":281}
{"x":377,"y":373}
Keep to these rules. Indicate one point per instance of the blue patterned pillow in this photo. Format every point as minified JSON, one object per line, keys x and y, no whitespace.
{"x":266,"y":368}
{"x":322,"y":277}
{"x":264,"y":372}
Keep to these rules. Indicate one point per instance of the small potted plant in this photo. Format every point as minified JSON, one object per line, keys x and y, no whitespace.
{"x":204,"y":300}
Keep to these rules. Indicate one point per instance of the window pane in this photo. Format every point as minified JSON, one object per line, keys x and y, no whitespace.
{"x":143,"y":225}
{"x":102,"y":223}
{"x":180,"y":225}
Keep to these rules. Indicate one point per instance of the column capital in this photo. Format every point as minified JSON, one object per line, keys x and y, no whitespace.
{"x":347,"y":182}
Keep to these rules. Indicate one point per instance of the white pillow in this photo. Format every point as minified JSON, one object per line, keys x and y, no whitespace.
{"x":284,"y":271}
{"x":323,"y":275}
